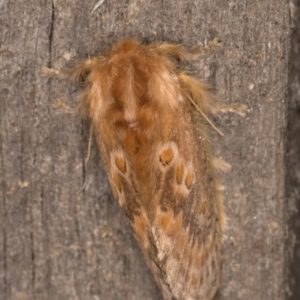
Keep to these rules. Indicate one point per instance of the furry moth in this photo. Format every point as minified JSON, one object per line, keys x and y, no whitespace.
{"x":159,"y":165}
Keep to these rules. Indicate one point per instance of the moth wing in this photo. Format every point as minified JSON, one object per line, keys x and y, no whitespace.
{"x":179,"y":231}
{"x":185,"y":228}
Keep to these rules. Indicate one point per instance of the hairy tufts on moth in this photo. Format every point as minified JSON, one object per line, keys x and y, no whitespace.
{"x":161,"y":171}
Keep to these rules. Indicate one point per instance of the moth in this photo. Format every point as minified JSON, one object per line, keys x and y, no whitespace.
{"x":156,"y":152}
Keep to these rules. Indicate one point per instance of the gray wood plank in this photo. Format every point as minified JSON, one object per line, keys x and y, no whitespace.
{"x":62,"y":235}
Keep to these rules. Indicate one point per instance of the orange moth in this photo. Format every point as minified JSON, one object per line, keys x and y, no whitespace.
{"x":157,"y":156}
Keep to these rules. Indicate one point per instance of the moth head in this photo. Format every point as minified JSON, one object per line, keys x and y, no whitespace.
{"x":129,"y":78}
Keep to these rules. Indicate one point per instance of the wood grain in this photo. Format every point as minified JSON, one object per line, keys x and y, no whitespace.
{"x":62,"y":235}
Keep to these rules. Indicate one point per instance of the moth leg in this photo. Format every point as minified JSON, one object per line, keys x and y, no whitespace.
{"x":89,"y":145}
{"x":198,"y":93}
{"x":182,"y":54}
{"x":205,"y":101}
{"x":48,"y":72}
{"x":239,"y":109}
{"x":59,"y":105}
{"x":220,"y":164}
{"x":171,"y":50}
{"x":199,"y":51}
{"x":62,"y":107}
{"x":76,"y":73}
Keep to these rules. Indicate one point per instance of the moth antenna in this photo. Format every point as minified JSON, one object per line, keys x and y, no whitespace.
{"x":89,"y":145}
{"x":205,"y":117}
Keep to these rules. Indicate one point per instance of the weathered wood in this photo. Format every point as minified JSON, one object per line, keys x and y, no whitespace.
{"x":292,"y":209}
{"x":62,"y":235}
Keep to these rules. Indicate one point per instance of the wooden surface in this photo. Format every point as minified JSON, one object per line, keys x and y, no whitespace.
{"x":292,"y":209}
{"x":62,"y":235}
